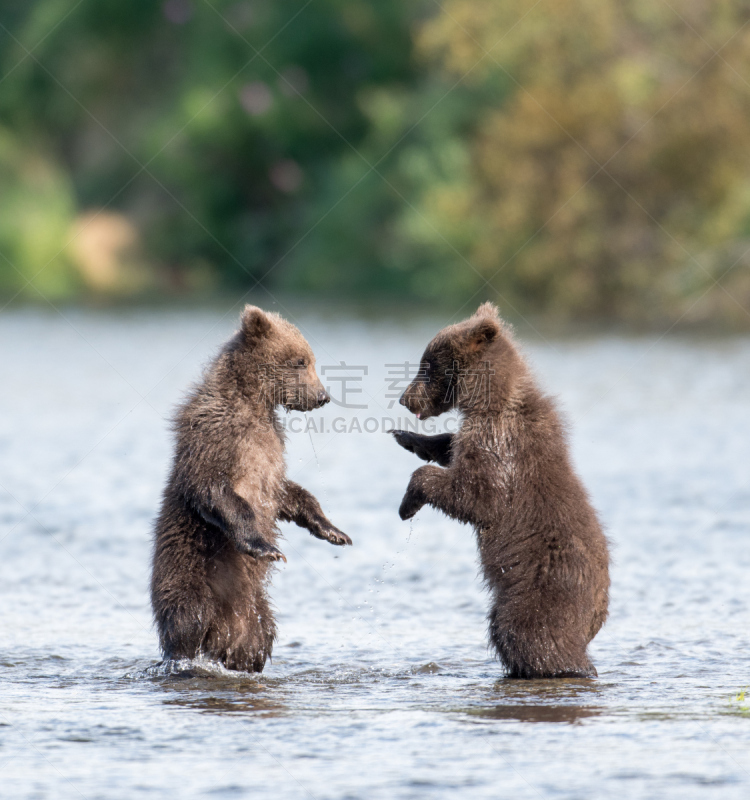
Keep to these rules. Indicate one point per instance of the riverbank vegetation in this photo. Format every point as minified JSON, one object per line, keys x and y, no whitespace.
{"x":575,"y":159}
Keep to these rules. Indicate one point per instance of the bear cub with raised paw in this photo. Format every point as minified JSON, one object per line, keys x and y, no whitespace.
{"x":216,"y":536}
{"x":507,"y":472}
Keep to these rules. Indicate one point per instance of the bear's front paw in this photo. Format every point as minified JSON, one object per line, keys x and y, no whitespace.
{"x":405,"y":439}
{"x":260,"y":549}
{"x":334,"y":536}
{"x":411,"y":503}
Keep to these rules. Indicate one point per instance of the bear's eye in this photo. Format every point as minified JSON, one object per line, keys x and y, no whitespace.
{"x":300,"y":362}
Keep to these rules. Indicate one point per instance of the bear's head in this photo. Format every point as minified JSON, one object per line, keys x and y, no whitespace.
{"x":467,"y":366}
{"x":279,"y":362}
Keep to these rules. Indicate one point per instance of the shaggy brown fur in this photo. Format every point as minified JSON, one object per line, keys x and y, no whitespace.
{"x":544,"y":556}
{"x":216,"y":535}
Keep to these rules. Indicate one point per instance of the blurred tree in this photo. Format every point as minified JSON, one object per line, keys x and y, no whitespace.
{"x":614,"y":182}
{"x":581,"y":158}
{"x":36,"y":211}
{"x":208,"y":123}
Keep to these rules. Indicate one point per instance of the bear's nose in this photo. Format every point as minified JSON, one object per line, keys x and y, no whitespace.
{"x":323,"y":397}
{"x":402,"y":399}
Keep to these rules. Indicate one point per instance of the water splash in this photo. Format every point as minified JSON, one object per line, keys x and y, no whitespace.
{"x":186,"y":668}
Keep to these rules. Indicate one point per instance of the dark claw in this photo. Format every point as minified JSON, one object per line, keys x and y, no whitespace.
{"x":405,"y":439}
{"x":409,"y":506}
{"x":335,"y":536}
{"x":428,"y":448}
{"x":274,"y":555}
{"x":261,"y":550}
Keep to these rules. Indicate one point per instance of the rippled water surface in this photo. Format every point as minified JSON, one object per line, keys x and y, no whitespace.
{"x":381,"y":685}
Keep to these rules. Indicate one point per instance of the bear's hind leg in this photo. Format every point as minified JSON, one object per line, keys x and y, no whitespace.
{"x":531,"y":653}
{"x":182,"y":632}
{"x":242,"y":639}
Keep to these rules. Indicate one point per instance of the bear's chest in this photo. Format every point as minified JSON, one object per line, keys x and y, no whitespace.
{"x":259,"y":473}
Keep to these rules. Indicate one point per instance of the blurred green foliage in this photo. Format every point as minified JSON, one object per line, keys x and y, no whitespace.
{"x":616,"y":178}
{"x":583,"y":158}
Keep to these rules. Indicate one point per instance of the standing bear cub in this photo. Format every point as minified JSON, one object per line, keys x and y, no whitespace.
{"x":216,"y":534}
{"x":507,"y":473}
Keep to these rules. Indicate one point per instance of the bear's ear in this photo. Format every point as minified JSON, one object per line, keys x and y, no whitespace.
{"x":255,"y":324}
{"x":483,"y":331}
{"x":488,"y":309}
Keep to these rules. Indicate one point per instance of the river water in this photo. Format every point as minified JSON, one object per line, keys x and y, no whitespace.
{"x":381,"y":685}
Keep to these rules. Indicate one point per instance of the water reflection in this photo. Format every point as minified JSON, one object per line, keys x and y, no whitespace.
{"x":557,"y":689}
{"x":568,"y":700}
{"x":236,"y":703}
{"x":208,"y":687}
{"x":528,"y":712}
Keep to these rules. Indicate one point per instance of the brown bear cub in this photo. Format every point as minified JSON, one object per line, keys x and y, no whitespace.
{"x":216,"y":534}
{"x":507,"y":472}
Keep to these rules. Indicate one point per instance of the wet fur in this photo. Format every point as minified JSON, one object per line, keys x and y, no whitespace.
{"x":508,"y":473}
{"x":216,"y":535}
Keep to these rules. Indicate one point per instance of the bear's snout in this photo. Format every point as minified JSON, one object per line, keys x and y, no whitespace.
{"x":412,"y":403}
{"x":323,"y":398}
